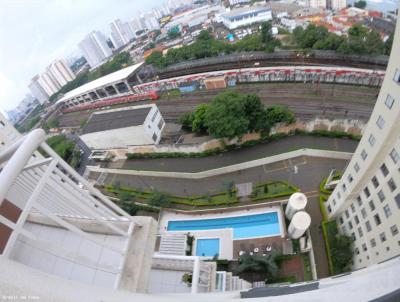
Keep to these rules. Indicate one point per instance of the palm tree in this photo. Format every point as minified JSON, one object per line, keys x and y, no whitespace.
{"x":259,"y":264}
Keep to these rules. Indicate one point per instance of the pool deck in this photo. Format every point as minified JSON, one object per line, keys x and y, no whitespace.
{"x":248,"y":245}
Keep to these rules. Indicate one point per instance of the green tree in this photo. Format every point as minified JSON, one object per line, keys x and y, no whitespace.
{"x":259,"y":264}
{"x":374,"y":43}
{"x":186,"y":120}
{"x":174,"y":32}
{"x":342,"y":253}
{"x":198,"y":122}
{"x":256,"y":115}
{"x":224,"y":117}
{"x":159,"y":199}
{"x":279,"y":114}
{"x":388,"y":44}
{"x":360,"y":4}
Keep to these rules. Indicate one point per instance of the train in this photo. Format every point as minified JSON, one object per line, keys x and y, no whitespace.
{"x":232,"y":77}
{"x":150,"y":95}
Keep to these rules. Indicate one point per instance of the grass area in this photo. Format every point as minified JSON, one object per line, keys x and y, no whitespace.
{"x":307,"y":267}
{"x":329,"y":227}
{"x":267,"y":191}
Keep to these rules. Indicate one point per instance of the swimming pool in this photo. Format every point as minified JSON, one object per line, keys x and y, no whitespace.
{"x":207,"y":247}
{"x":248,"y":226}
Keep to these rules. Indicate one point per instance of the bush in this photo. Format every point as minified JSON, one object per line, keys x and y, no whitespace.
{"x":159,"y":199}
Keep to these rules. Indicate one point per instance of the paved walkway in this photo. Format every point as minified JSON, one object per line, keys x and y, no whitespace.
{"x":242,"y":155}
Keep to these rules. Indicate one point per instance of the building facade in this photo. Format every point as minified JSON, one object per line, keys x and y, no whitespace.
{"x":124,"y":127}
{"x":121,"y":33}
{"x":60,"y":72}
{"x":366,"y":202}
{"x":95,"y":49}
{"x":246,"y":16}
{"x":317,"y":3}
{"x":337,"y":4}
{"x":8,"y":134}
{"x":37,"y":90}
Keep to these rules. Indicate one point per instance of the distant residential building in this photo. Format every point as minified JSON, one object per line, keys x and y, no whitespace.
{"x":123,"y":127}
{"x":136,"y":25}
{"x":246,"y":16}
{"x":95,"y":48}
{"x":317,"y":3}
{"x":234,"y":2}
{"x":49,"y":84}
{"x":8,"y":134}
{"x":60,"y":72}
{"x":37,"y":90}
{"x":337,"y":4}
{"x":151,"y":22}
{"x":121,"y":33}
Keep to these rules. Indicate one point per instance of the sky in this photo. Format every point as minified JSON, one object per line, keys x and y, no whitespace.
{"x":35,"y":32}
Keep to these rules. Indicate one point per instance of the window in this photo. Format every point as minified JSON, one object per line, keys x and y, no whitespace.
{"x":350,"y":178}
{"x":363,"y":213}
{"x":382,"y":236}
{"x":334,"y":201}
{"x":387,"y":211}
{"x":353,"y":236}
{"x":347,"y":212}
{"x":384,"y":170}
{"x":160,"y":124}
{"x":396,"y":77}
{"x":153,"y":118}
{"x":2,"y":124}
{"x":371,"y":205}
{"x":380,"y":122}
{"x":381,"y":196}
{"x":364,"y":247}
{"x":364,"y":154}
{"x":356,"y":219}
{"x":329,"y":208}
{"x":394,"y":156}
{"x":372,"y":140}
{"x":366,"y":192}
{"x":392,"y":185}
{"x":356,"y":167}
{"x":394,"y":230}
{"x":154,"y":137}
{"x":353,"y":209}
{"x":357,"y":251}
{"x":340,"y":220}
{"x":375,"y":181}
{"x":359,"y":201}
{"x":344,"y":187}
{"x":389,"y":101}
{"x":377,"y":219}
{"x":338,"y":195}
{"x":397,"y":199}
{"x":373,"y":242}
{"x":368,"y":226}
{"x":350,"y":225}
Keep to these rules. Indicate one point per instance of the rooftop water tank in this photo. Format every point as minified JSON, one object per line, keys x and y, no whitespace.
{"x":298,"y":226}
{"x":297,"y":202}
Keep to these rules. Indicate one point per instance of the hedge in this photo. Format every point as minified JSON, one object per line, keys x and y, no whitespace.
{"x":327,"y":231}
{"x":215,"y":199}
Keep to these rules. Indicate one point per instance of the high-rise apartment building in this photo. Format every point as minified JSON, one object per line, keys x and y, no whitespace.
{"x":49,"y":83}
{"x":121,"y":33}
{"x":317,"y":3}
{"x":337,"y":4}
{"x":37,"y":90}
{"x":136,"y":25}
{"x":60,"y":72}
{"x":366,"y":202}
{"x":95,"y":48}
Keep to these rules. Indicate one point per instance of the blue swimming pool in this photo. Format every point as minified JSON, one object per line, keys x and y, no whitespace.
{"x":207,"y":247}
{"x":257,"y":225}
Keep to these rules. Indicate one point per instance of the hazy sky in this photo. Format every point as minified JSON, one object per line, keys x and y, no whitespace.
{"x":35,"y":32}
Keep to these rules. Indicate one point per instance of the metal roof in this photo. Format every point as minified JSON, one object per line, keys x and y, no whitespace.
{"x":116,"y":119}
{"x":245,"y":11}
{"x":116,"y":76}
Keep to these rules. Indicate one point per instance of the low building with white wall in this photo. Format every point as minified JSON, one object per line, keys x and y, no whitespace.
{"x":246,"y":16}
{"x":123,"y":127}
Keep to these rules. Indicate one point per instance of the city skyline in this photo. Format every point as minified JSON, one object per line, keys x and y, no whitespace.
{"x":58,"y":41}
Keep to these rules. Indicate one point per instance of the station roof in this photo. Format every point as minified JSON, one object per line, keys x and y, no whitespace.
{"x":116,"y":119}
{"x":107,"y":79}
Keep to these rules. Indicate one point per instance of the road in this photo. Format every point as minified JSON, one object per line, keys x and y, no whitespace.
{"x":85,"y":152}
{"x":307,"y":101}
{"x":241,"y":155}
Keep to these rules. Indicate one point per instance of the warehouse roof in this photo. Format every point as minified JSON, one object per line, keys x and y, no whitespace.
{"x":116,"y":119}
{"x":116,"y":76}
{"x":245,"y":12}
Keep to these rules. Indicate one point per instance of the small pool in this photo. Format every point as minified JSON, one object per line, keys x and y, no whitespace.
{"x":207,"y":247}
{"x":248,"y":226}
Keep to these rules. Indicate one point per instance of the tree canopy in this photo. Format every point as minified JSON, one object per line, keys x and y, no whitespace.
{"x":259,"y":263}
{"x":360,"y":4}
{"x":231,"y":114}
{"x":342,"y":253}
